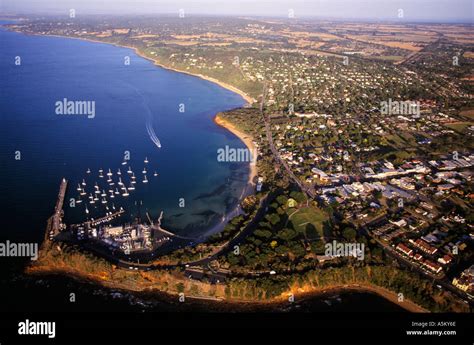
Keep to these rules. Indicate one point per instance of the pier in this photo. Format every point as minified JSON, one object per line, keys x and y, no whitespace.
{"x":107,"y":218}
{"x":162,"y":231}
{"x":54,"y":222}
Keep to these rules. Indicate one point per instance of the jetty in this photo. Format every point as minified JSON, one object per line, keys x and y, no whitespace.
{"x":54,"y":225}
{"x":107,"y":218}
{"x":158,"y":229}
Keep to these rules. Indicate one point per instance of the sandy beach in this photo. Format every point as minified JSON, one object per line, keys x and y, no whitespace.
{"x":219,"y":121}
{"x":245,"y":96}
{"x":250,"y":189}
{"x":247,"y":140}
{"x":250,"y":100}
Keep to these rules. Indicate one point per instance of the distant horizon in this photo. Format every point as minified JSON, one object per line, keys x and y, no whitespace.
{"x":254,"y":17}
{"x":432,"y":11}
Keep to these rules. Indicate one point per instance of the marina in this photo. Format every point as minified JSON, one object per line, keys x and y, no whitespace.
{"x":128,"y":238}
{"x":102,"y":193}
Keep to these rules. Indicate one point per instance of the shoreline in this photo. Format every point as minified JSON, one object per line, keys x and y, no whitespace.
{"x":220,"y":122}
{"x":247,"y":98}
{"x":248,"y":141}
{"x":249,"y":188}
{"x":369,"y":288}
{"x":315,"y":293}
{"x":245,"y":138}
{"x":250,"y":100}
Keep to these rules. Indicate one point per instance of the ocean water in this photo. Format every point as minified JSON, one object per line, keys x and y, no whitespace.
{"x":135,"y":105}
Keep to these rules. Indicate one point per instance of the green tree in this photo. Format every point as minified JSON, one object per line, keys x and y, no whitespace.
{"x":349,"y":234}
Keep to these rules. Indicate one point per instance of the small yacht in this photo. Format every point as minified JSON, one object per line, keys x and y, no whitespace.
{"x":113,"y":206}
{"x":96,"y":198}
{"x":78,"y":200}
{"x":87,"y":210}
{"x":79,"y":187}
{"x":144,"y":170}
{"x":155,"y":174}
{"x":112,"y":196}
{"x":125,"y":193}
{"x":120,"y":183}
{"x":92,"y":202}
{"x":133,"y":176}
{"x":91,"y":197}
{"x":104,"y":201}
{"x":145,"y":180}
{"x":124,"y":163}
{"x":83,"y":192}
{"x":103,"y":193}
{"x":83,"y":182}
{"x":88,"y":171}
{"x":109,"y":180}
{"x":131,"y":187}
{"x":119,"y":172}
{"x":101,"y":175}
{"x":129,"y":170}
{"x":146,"y":160}
{"x":117,"y":191}
{"x":109,"y":173}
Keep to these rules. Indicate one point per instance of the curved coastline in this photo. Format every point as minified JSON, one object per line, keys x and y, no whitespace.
{"x":320,"y":293}
{"x":366,"y":288}
{"x":248,"y":99}
{"x":245,"y":138}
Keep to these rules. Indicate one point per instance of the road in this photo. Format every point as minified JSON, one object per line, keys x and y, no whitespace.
{"x":224,"y":248}
{"x":309,"y":191}
{"x":249,"y":228}
{"x":441,"y":280}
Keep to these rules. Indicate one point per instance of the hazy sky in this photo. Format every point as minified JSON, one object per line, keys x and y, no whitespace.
{"x":437,"y":10}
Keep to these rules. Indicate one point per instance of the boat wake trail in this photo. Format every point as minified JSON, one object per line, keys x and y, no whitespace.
{"x":149,"y":119}
{"x":151,"y":132}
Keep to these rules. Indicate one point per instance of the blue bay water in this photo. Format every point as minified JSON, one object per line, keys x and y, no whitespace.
{"x":54,"y":146}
